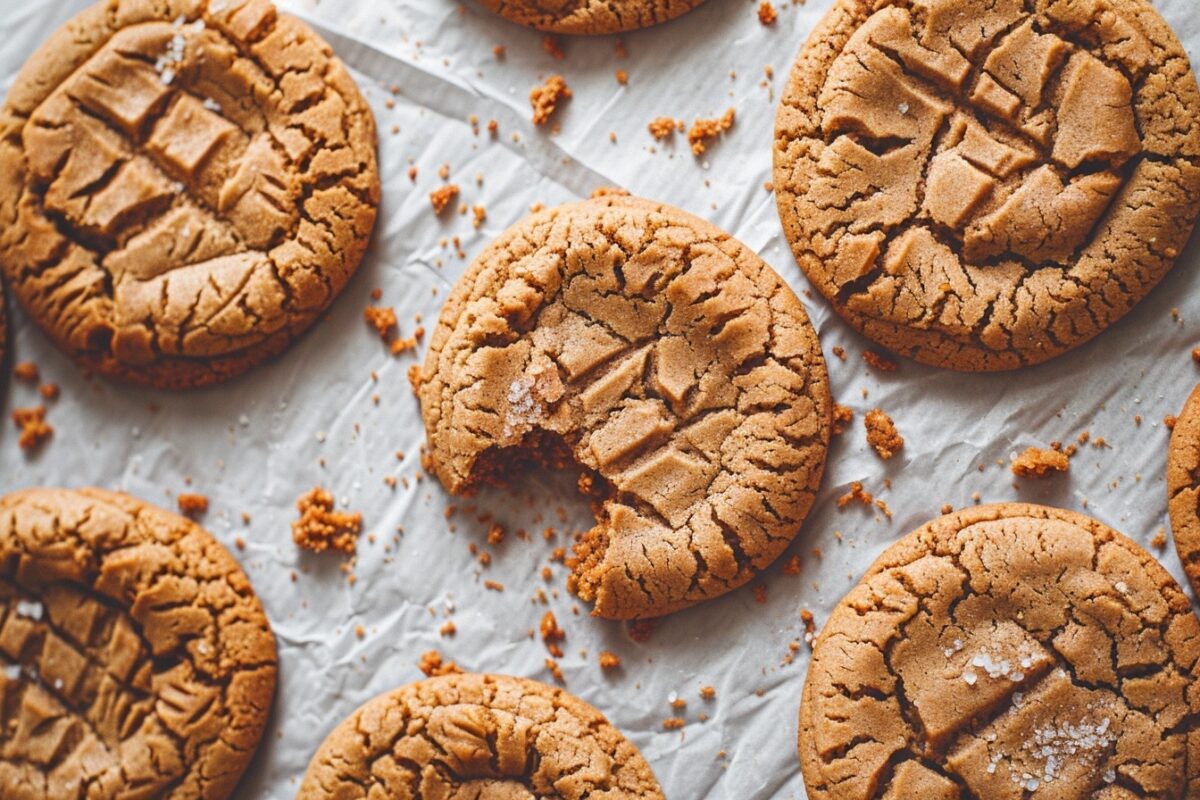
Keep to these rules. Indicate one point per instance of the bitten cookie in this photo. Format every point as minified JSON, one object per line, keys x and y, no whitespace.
{"x":666,"y":360}
{"x":1006,"y":652}
{"x":1183,"y":487}
{"x":589,"y":17}
{"x":982,"y":186}
{"x":184,"y":186}
{"x":136,"y":660}
{"x":485,"y":736}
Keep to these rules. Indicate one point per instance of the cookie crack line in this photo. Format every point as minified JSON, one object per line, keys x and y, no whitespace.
{"x":1069,"y":160}
{"x":206,"y":212}
{"x":124,"y":630}
{"x":967,"y":659}
{"x":661,"y":358}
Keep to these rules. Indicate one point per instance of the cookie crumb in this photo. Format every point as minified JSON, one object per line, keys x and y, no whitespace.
{"x":662,"y":127}
{"x":1169,"y":421}
{"x":704,"y":129}
{"x":442,"y":197}
{"x":947,"y":508}
{"x":1035,"y":462}
{"x":433,"y":665}
{"x":882,"y":434}
{"x":544,"y":99}
{"x":673,"y":723}
{"x":842,"y":417}
{"x":793,"y":565}
{"x":382,"y":319}
{"x":856,"y":493}
{"x":33,"y":426}
{"x":766,"y":13}
{"x":708,"y":693}
{"x":552,"y":634}
{"x":622,"y":77}
{"x":555,"y":670}
{"x":493,"y":586}
{"x":26,"y":371}
{"x":49,"y":391}
{"x":449,"y":629}
{"x":193,"y":505}
{"x":321,"y":528}
{"x":553,"y":45}
{"x":1160,"y":539}
{"x":840,"y":352}
{"x":609,"y":660}
{"x":879,"y":361}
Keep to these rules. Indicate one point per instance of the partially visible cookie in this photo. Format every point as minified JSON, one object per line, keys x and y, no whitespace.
{"x":135,"y":659}
{"x":589,"y":17}
{"x":982,"y":186}
{"x":185,"y":186}
{"x":479,"y":736}
{"x":660,"y":356}
{"x":1006,"y":652}
{"x":1183,"y":487}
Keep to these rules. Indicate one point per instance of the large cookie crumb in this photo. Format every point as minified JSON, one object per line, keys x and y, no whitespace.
{"x":320,"y":528}
{"x":882,"y":434}
{"x":1035,"y":462}
{"x":545,"y":98}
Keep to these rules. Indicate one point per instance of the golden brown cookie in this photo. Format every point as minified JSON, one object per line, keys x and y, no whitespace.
{"x":589,"y":17}
{"x":479,"y":736}
{"x":660,"y":356}
{"x":184,"y":186}
{"x":1183,"y":487}
{"x":135,"y":659}
{"x":1007,"y":652}
{"x":981,"y":186}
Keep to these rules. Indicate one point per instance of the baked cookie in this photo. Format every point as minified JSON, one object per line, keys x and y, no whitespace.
{"x":135,"y":660}
{"x":184,"y":186}
{"x":589,"y":17}
{"x":982,"y":186}
{"x":1006,"y":652}
{"x":1183,"y":487}
{"x":484,"y":736}
{"x":662,"y":357}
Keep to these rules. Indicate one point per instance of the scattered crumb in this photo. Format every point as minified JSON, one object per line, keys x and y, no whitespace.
{"x":442,"y":197}
{"x":879,"y":361}
{"x":478,"y":215}
{"x":766,"y":13}
{"x":760,"y":593}
{"x":705,"y":129}
{"x":1037,"y":463}
{"x":360,"y":631}
{"x":1169,"y":421}
{"x":545,"y":98}
{"x":33,"y":426}
{"x":321,"y":528}
{"x":552,"y":634}
{"x":49,"y":391}
{"x":881,"y":433}
{"x":622,"y":77}
{"x":708,"y":693}
{"x":810,"y":626}
{"x":26,"y":371}
{"x":793,"y":565}
{"x":1160,"y":539}
{"x":498,"y":52}
{"x":449,"y":629}
{"x":662,"y":127}
{"x":493,"y":586}
{"x":840,"y":352}
{"x":1196,"y":355}
{"x":382,"y":319}
{"x":947,"y":508}
{"x":856,"y":493}
{"x":842,"y":417}
{"x":192,"y":504}
{"x":673,"y":723}
{"x":609,"y":660}
{"x":555,"y":670}
{"x":432,"y":665}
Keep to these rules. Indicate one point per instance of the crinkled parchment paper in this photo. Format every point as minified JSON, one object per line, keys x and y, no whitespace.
{"x":308,"y":419}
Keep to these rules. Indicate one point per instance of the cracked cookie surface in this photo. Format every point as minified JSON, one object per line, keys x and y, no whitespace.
{"x":184,"y":186}
{"x":589,"y":17}
{"x":135,"y":659}
{"x":1183,"y":487}
{"x":669,"y":362}
{"x":484,"y":736}
{"x":982,"y":186}
{"x":1006,"y":652}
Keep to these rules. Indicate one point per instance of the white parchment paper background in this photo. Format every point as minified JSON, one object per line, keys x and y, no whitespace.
{"x":255,"y":444}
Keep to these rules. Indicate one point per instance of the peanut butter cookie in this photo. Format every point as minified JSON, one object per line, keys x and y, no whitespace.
{"x":184,"y":186}
{"x":136,"y":660}
{"x":589,"y":17}
{"x":1006,"y":652}
{"x":662,"y":357}
{"x":485,"y":736}
{"x":985,"y":186}
{"x":1183,"y":487}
